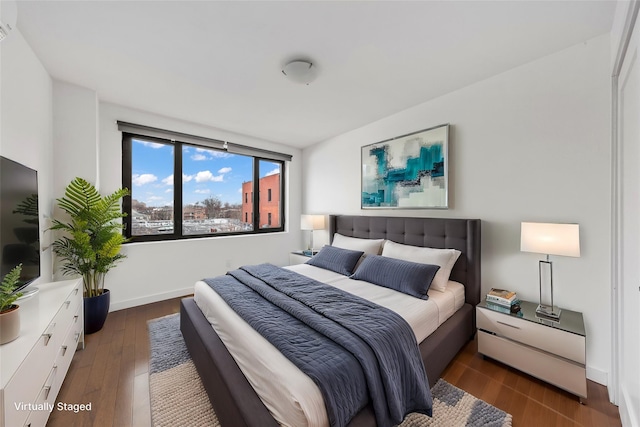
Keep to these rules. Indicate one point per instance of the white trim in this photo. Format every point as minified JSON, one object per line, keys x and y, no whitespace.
{"x":616,"y":200}
{"x":150,"y":299}
{"x":596,"y":375}
{"x":627,"y":416}
{"x":616,"y":212}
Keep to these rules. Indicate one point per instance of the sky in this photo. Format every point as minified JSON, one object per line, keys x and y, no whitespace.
{"x":206,"y":173}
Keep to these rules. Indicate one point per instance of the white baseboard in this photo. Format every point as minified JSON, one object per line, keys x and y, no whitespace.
{"x":628,"y":416}
{"x":121,"y":305}
{"x":601,"y":377}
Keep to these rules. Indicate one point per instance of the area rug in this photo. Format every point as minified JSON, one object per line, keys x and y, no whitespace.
{"x":179,"y":399}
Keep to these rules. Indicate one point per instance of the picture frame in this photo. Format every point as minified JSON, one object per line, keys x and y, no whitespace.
{"x":407,"y":172}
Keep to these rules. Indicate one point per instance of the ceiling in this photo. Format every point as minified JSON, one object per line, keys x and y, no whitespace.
{"x":218,"y":63}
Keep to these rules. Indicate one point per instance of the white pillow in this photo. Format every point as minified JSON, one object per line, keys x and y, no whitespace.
{"x":368,"y":246}
{"x":445,"y":258}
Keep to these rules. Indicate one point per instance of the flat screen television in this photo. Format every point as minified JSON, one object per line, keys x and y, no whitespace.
{"x":19,"y":220}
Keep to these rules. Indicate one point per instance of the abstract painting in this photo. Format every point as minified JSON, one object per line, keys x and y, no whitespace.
{"x":407,"y":172}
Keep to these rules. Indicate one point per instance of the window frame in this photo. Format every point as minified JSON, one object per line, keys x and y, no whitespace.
{"x":127,"y":178}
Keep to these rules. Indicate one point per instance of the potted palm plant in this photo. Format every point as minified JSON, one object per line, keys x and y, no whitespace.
{"x":9,"y":312}
{"x":91,"y":244}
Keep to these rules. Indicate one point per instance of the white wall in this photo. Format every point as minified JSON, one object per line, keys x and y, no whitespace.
{"x":158,"y":270}
{"x":26,"y":122}
{"x":75,"y":134}
{"x":531,"y":144}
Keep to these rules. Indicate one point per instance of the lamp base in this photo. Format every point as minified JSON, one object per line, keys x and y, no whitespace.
{"x":549,"y":312}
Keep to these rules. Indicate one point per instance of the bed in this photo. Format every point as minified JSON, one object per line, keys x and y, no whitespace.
{"x":232,"y":396}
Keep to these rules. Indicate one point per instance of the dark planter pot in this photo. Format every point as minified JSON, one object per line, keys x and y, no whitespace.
{"x":95,"y":311}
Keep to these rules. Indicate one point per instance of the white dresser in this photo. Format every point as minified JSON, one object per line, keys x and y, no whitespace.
{"x":549,"y":350}
{"x":33,"y":367}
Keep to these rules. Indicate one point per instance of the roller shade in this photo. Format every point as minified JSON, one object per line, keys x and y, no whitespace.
{"x":199,"y":140}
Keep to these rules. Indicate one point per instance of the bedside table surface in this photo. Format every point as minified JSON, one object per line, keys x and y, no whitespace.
{"x":570,"y":321}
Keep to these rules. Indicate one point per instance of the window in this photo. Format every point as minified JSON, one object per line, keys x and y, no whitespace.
{"x":270,"y":189}
{"x":184,"y":190}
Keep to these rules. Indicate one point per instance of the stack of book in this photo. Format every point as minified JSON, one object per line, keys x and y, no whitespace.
{"x":501,"y":299}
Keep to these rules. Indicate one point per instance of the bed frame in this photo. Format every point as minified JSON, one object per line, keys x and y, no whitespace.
{"x":234,"y":400}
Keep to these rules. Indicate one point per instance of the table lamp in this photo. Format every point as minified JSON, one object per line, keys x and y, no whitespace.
{"x":311,"y":223}
{"x":549,"y":239}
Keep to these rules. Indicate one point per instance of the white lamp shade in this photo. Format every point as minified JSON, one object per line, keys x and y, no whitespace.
{"x":550,"y":239}
{"x":312,"y":222}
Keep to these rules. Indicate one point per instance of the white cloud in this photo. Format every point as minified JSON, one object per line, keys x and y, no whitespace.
{"x":169,"y":180}
{"x":224,"y":170}
{"x":158,"y":201}
{"x":199,"y":157}
{"x":205,"y":176}
{"x":145,"y":178}
{"x":169,"y":190}
{"x":273,"y":172}
{"x":151,"y":144}
{"x":203,"y":191}
{"x":220,"y":154}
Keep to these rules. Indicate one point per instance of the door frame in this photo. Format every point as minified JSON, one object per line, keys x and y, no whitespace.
{"x":616,"y":203}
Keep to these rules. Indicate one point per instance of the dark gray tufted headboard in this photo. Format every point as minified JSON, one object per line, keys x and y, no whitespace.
{"x":445,"y":233}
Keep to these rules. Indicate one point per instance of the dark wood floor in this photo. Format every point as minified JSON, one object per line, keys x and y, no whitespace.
{"x":112,"y":373}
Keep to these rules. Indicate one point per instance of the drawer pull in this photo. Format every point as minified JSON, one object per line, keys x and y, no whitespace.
{"x":67,"y":303}
{"x":75,"y":318}
{"x":77,"y":336}
{"x":75,"y":291}
{"x":64,"y":350}
{"x":47,"y":335}
{"x":47,"y":388}
{"x":506,"y":324}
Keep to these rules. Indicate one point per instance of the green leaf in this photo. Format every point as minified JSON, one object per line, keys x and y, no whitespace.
{"x":93,"y":237}
{"x":8,"y":286}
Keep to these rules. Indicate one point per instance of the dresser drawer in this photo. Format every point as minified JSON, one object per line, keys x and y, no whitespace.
{"x":65,"y":353}
{"x":562,"y":373}
{"x":65,"y":316}
{"x":555,"y":341}
{"x":45,"y":401}
{"x":28,"y":381}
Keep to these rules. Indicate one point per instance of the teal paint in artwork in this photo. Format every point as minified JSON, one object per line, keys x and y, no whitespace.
{"x":380,"y":153}
{"x":417,"y":157}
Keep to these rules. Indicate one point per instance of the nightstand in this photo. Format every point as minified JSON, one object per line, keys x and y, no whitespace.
{"x":553,"y":351}
{"x":298,"y":257}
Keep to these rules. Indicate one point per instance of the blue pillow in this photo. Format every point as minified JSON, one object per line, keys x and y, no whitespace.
{"x":407,"y":277}
{"x":336,"y":259}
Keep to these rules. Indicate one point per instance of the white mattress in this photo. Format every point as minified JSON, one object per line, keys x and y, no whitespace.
{"x":291,"y":396}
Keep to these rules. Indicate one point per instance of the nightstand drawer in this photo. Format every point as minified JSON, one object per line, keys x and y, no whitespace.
{"x":559,"y":372}
{"x":555,"y":341}
{"x":298,"y":258}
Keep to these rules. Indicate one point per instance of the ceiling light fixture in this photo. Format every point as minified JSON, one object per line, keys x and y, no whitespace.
{"x":300,"y":71}
{"x":9,"y":18}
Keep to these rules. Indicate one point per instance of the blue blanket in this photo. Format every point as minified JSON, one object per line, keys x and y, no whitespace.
{"x":354,"y":350}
